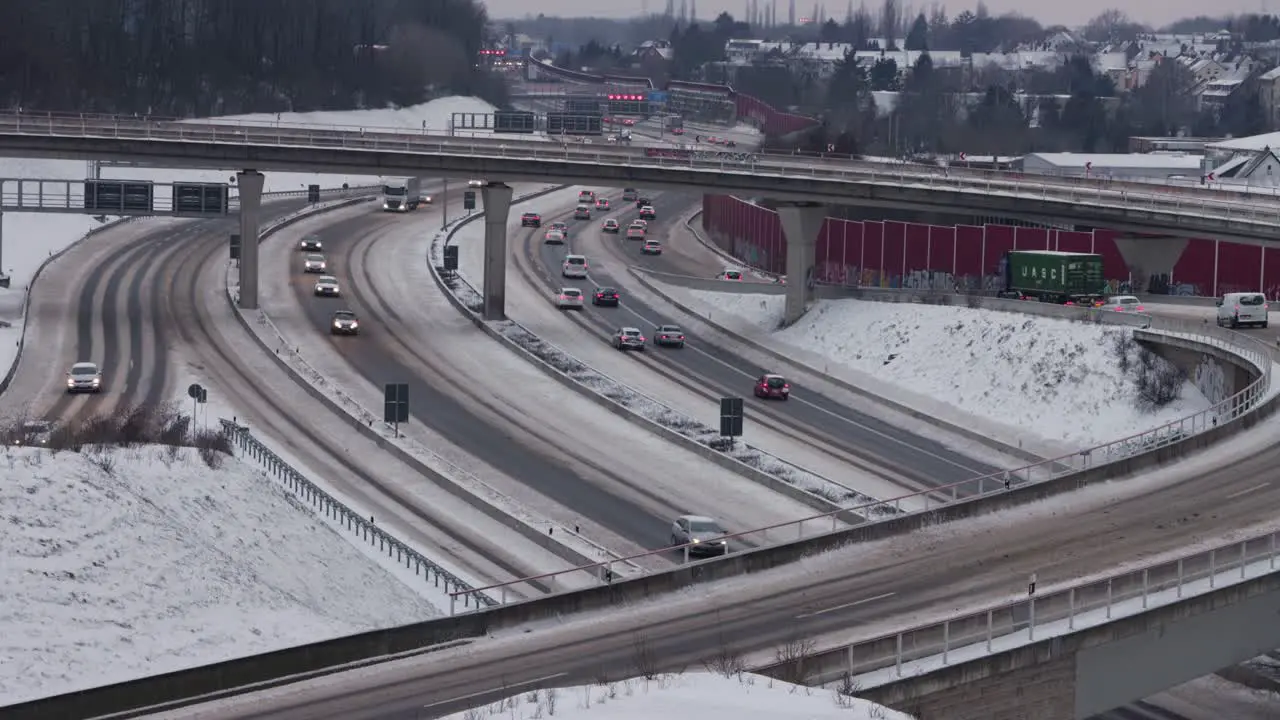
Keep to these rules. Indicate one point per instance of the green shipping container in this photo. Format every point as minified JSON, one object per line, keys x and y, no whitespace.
{"x":1050,"y":273}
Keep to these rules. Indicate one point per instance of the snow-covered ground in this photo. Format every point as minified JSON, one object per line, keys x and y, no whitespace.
{"x":702,"y":695}
{"x":432,"y":118}
{"x":125,"y":563}
{"x":1067,"y":382}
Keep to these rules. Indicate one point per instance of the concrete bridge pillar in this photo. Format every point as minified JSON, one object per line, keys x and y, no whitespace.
{"x":1147,"y":257}
{"x":497,"y":207}
{"x":801,"y":223}
{"x":250,"y":184}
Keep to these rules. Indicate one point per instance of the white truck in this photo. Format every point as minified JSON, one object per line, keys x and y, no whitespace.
{"x":402,"y":195}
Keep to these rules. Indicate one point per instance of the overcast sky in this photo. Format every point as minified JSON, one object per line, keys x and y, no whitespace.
{"x":1048,"y":12}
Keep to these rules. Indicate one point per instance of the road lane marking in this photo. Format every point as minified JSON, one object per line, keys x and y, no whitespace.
{"x":1246,"y":491}
{"x":855,"y":603}
{"x":491,"y":691}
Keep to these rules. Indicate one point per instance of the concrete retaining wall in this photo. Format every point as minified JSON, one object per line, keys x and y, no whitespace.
{"x":1216,"y":373}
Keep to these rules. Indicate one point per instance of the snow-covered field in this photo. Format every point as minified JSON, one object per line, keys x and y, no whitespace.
{"x":702,"y":695}
{"x":1067,"y":382}
{"x":126,"y":563}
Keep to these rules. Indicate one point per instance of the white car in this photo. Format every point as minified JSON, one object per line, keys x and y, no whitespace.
{"x":569,"y":299}
{"x":651,"y":247}
{"x":1236,"y":309}
{"x":1123,"y":303}
{"x":327,"y":286}
{"x":575,"y":266}
{"x":553,"y":237}
{"x":475,"y":183}
{"x":582,"y":212}
{"x":314,"y":264}
{"x":84,"y":377}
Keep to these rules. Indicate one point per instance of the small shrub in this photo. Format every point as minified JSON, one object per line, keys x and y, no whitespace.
{"x":1159,"y":381}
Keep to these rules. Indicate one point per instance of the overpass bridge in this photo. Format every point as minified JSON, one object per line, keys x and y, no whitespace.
{"x":803,"y":186}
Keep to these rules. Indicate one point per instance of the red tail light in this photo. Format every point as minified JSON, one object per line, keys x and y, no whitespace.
{"x":681,"y":337}
{"x":786,"y":386}
{"x":1141,"y":309}
{"x":1237,"y":308}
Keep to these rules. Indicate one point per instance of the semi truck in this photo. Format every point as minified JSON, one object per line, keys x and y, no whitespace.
{"x":402,"y":194}
{"x":1055,"y":277}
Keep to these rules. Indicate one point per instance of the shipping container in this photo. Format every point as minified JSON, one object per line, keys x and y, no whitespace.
{"x":1052,"y":276}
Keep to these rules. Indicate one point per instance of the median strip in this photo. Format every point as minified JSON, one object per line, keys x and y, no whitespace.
{"x":755,"y":464}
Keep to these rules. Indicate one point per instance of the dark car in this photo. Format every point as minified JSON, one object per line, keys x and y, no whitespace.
{"x":311,"y":243}
{"x":344,"y":322}
{"x":668,"y":336}
{"x":530,"y":220}
{"x":772,"y":386}
{"x":1011,"y":295}
{"x":641,"y":202}
{"x":605,"y":296}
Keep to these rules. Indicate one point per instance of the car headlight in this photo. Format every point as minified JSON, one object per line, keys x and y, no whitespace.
{"x":337,"y":324}
{"x":354,"y":325}
{"x":70,"y":382}
{"x":97,"y":381}
{"x":696,"y":541}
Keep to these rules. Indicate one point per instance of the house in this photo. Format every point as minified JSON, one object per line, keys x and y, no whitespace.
{"x":653,"y":51}
{"x":1269,"y":97}
{"x":1260,"y":168}
{"x":1116,"y":166}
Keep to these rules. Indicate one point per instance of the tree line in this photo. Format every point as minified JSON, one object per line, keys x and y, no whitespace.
{"x":940,"y":111}
{"x":215,"y":57}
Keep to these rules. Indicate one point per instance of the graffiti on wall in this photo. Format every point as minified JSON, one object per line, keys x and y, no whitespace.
{"x":1211,"y":380}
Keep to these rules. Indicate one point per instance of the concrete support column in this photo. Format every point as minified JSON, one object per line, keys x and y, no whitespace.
{"x":497,"y":206}
{"x":801,"y":224}
{"x":2,"y":273}
{"x":1148,"y":257}
{"x":250,"y":184}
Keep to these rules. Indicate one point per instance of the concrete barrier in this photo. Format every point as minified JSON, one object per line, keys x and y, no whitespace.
{"x":527,"y":531}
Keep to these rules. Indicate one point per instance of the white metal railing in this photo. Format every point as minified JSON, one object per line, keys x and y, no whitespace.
{"x":1186,"y":203}
{"x":1252,"y":351}
{"x":1041,"y":615}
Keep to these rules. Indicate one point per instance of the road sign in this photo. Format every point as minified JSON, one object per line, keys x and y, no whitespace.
{"x":313,"y":194}
{"x":235,"y":246}
{"x":731,"y":415}
{"x":200,"y":199}
{"x":104,"y":195}
{"x":450,"y":258}
{"x":659,"y":96}
{"x":469,"y":200}
{"x":571,"y":124}
{"x":506,"y":121}
{"x":396,"y":404}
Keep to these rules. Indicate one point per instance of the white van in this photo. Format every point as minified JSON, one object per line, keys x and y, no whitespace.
{"x":575,"y":266}
{"x":1236,"y":309}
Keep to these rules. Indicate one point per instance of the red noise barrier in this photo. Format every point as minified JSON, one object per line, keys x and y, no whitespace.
{"x":892,"y":254}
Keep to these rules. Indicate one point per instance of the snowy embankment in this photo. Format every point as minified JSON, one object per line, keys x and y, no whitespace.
{"x":1070,"y":383}
{"x":126,"y":562}
{"x":31,"y":238}
{"x":702,"y":695}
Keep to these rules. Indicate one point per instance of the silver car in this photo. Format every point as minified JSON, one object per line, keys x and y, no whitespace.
{"x":84,"y":377}
{"x":628,"y":338}
{"x":1123,"y":303}
{"x":553,"y":237}
{"x":703,"y":535}
{"x":569,"y":299}
{"x":327,"y":286}
{"x":314,"y":263}
{"x":344,"y":323}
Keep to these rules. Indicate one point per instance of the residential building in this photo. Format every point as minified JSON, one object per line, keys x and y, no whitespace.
{"x":1269,"y":97}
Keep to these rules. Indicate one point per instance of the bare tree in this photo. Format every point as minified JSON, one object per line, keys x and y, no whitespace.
{"x":644,"y":659}
{"x":889,"y":23}
{"x":793,"y":660}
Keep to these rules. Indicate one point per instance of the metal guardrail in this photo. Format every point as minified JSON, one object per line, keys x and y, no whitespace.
{"x":335,"y":510}
{"x":1180,"y":201}
{"x":1252,"y":351}
{"x":1079,"y":606}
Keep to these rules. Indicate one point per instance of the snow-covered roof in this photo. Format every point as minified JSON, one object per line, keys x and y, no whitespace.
{"x":1121,"y":160}
{"x":1270,"y":75}
{"x":1253,"y":143}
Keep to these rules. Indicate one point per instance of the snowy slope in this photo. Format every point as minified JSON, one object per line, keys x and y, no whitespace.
{"x":434,"y":116}
{"x":162,"y":564}
{"x":1063,"y":381}
{"x":701,"y":695}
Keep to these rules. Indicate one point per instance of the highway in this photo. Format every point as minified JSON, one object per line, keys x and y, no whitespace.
{"x":543,"y":453}
{"x":917,"y":462}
